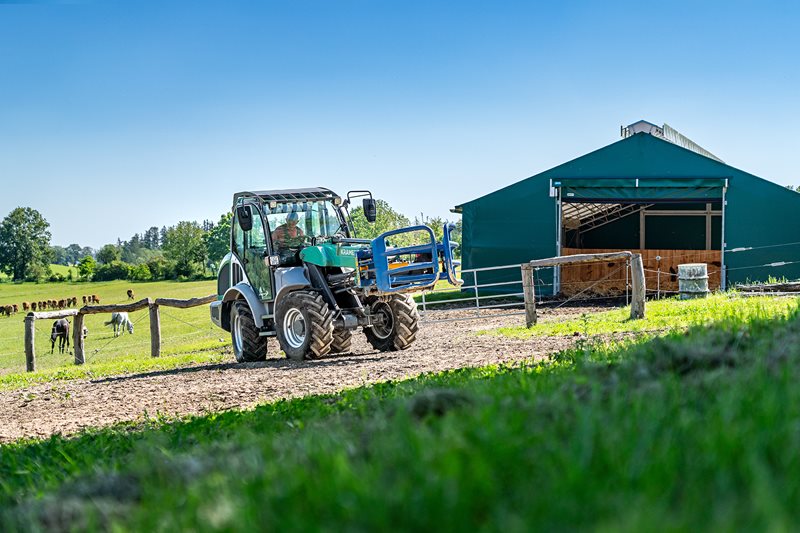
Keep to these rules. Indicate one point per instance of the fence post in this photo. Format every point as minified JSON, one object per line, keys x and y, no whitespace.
{"x":155,"y":331}
{"x":77,"y":339}
{"x":637,"y":282}
{"x":529,"y":294}
{"x":30,"y":354}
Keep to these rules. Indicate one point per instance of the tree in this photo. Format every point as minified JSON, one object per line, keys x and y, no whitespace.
{"x":151,"y":239}
{"x":218,"y":239}
{"x":24,"y":243}
{"x":387,"y":219}
{"x":184,"y":244}
{"x":134,"y":250}
{"x":108,"y":254}
{"x":74,"y":254}
{"x":58,"y":254}
{"x":86,"y":267}
{"x":435,"y":223}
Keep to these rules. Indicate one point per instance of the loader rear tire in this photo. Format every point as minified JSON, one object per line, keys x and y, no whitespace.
{"x":342,"y":341}
{"x":248,"y":346}
{"x":304,"y":324}
{"x":400,"y":323}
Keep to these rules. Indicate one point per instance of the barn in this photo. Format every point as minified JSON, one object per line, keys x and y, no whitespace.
{"x":654,"y":192}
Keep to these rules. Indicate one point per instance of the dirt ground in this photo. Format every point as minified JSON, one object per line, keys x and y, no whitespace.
{"x":70,"y":406}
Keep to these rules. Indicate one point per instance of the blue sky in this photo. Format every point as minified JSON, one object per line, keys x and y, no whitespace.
{"x":118,"y":116}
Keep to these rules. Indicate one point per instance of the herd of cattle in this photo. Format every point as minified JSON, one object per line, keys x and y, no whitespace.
{"x":46,"y":305}
{"x":53,"y":305}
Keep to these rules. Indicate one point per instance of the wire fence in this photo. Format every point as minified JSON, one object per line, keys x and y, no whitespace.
{"x":479,"y":298}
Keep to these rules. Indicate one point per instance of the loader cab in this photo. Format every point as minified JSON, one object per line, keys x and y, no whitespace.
{"x":270,"y":228}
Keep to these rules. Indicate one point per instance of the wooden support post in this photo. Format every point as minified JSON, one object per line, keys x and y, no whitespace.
{"x":77,"y":339}
{"x":638,"y":286}
{"x":30,"y":354}
{"x":529,"y":293}
{"x":155,"y":331}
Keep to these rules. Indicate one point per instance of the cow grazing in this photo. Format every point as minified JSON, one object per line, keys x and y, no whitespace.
{"x":84,"y":300}
{"x":95,"y":299}
{"x":61,"y":333}
{"x":119,"y":321}
{"x":16,"y":309}
{"x":33,"y":306}
{"x":130,"y":294}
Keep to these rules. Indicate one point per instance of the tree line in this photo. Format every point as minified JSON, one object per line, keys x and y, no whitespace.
{"x":188,"y":250}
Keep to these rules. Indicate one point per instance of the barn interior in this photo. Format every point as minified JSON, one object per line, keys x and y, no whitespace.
{"x":666,"y":231}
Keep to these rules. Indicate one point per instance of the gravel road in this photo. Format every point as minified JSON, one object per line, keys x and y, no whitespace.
{"x":70,"y":406}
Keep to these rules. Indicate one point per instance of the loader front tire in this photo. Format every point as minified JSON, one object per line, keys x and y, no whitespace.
{"x":396,"y":325}
{"x":304,"y":324}
{"x":248,"y":346}
{"x":342,"y":341}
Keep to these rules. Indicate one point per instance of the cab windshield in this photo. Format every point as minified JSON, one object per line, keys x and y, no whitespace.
{"x":292,"y":224}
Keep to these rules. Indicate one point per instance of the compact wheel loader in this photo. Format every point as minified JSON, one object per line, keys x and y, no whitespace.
{"x":297,"y":271}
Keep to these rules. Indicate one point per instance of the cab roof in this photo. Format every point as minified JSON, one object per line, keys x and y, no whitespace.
{"x":289,"y":195}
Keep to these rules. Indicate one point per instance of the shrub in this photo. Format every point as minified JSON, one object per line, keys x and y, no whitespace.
{"x":140,"y":273}
{"x":111,"y":271}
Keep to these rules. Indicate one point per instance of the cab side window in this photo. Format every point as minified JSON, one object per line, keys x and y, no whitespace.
{"x":238,"y":238}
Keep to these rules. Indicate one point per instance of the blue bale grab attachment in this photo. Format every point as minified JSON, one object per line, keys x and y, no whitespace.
{"x":432,"y":261}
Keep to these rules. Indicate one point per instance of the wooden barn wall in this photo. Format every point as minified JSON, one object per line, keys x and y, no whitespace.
{"x":576,"y":278}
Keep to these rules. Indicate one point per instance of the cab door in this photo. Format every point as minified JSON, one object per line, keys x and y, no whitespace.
{"x":252,"y":247}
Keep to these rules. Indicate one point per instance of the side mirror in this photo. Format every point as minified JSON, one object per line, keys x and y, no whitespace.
{"x":244,"y":218}
{"x":370,"y":209}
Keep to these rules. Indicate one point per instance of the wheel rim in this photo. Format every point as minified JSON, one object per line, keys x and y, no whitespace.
{"x":383,"y":329}
{"x":294,"y":328}
{"x":237,"y":334}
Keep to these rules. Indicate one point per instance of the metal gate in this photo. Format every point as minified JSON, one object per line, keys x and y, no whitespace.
{"x":438,"y":305}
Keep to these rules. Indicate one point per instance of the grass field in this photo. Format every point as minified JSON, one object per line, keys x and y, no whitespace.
{"x":187,"y":334}
{"x":693,"y":431}
{"x":663,"y":315}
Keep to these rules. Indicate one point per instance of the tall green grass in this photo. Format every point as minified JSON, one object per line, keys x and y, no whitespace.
{"x":696,"y":430}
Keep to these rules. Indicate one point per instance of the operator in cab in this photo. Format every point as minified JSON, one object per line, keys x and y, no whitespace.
{"x":288,"y":234}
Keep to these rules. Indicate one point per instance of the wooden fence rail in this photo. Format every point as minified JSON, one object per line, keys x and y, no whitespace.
{"x":77,"y":336}
{"x":637,"y":279}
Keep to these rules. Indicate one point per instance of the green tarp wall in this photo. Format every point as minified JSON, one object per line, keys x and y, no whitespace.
{"x":518,"y":223}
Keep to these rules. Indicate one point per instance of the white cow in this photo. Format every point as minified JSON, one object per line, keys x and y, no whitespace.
{"x":119,"y":321}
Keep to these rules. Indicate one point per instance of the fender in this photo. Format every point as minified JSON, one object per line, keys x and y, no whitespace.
{"x":236,"y":292}
{"x":289,"y":279}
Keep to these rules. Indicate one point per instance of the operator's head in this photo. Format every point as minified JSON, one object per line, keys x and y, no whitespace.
{"x":292,"y":218}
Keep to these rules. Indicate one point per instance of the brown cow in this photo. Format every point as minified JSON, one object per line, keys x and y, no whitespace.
{"x":16,"y":309}
{"x":84,"y":300}
{"x":25,"y":306}
{"x":95,"y":299}
{"x":130,"y":294}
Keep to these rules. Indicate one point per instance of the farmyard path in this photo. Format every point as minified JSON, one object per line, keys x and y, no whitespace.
{"x":70,"y":406}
